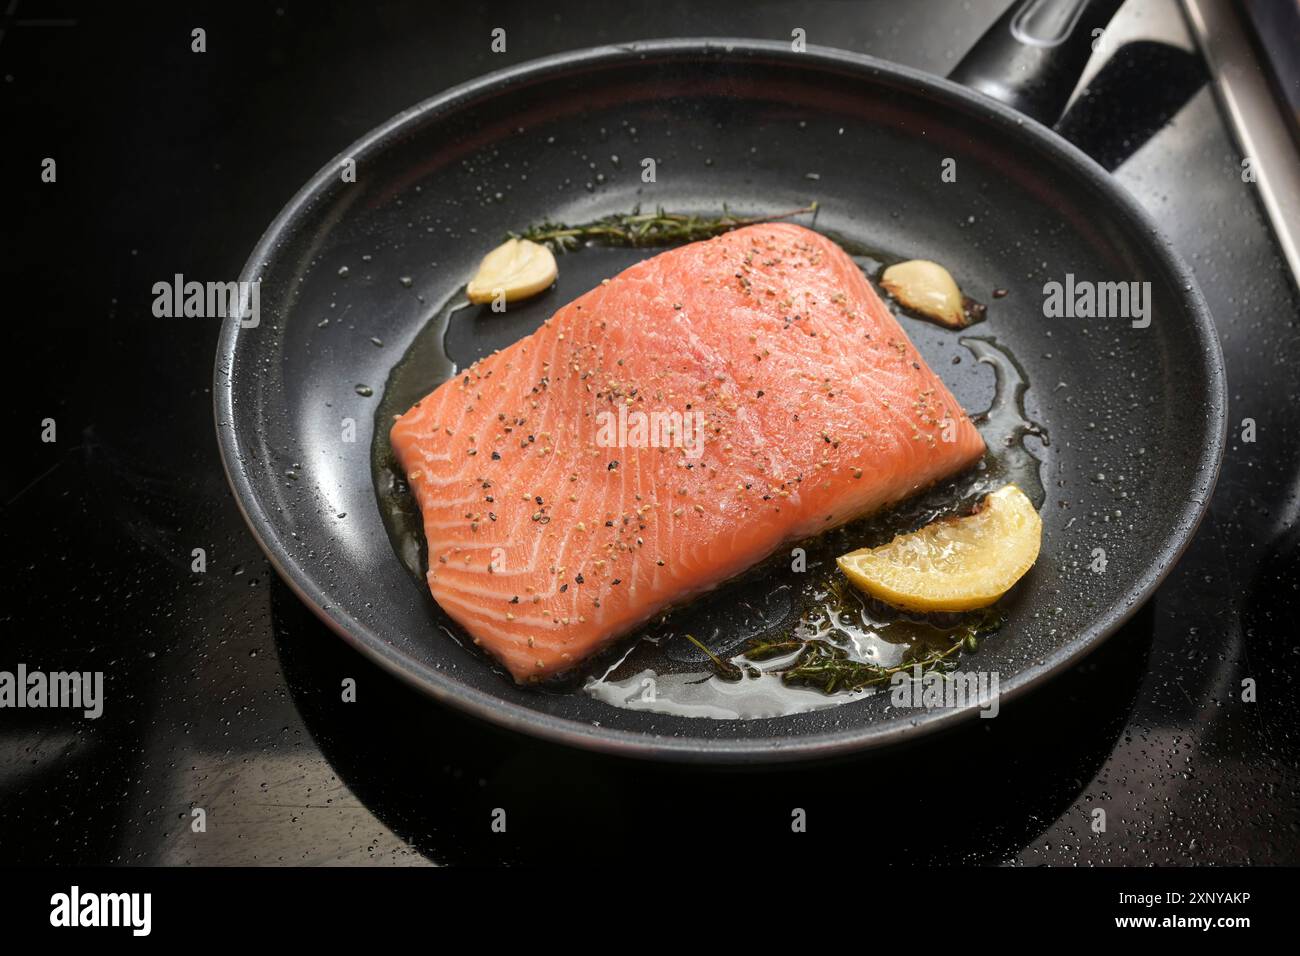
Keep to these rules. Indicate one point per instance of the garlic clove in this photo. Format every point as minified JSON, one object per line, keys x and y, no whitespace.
{"x":928,"y":288}
{"x":516,"y":269}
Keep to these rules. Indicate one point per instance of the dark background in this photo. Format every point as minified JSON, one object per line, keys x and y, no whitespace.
{"x":222,"y":690}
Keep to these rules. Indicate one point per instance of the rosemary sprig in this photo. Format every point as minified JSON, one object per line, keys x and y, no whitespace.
{"x":636,"y":228}
{"x":725,"y":669}
{"x":829,"y":668}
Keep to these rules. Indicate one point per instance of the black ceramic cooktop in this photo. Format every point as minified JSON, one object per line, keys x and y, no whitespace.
{"x":221,"y":690}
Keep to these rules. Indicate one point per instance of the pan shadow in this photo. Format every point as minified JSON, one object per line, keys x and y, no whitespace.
{"x":977,"y":794}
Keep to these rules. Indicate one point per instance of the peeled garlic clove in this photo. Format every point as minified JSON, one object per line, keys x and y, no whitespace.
{"x":928,"y":288}
{"x":516,"y":269}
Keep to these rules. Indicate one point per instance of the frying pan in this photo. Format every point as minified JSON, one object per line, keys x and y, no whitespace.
{"x":350,"y":272}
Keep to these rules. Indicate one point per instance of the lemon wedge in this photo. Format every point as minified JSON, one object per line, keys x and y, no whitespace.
{"x":926,"y":287}
{"x":954,"y":564}
{"x":516,"y":269}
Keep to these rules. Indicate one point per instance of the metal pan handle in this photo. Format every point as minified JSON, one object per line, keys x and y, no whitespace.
{"x":1033,"y":56}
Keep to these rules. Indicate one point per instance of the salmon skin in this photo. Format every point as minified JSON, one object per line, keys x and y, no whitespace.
{"x":664,"y":432}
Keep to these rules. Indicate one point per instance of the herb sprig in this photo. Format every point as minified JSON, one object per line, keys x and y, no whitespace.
{"x":724,"y":669}
{"x":658,"y":228}
{"x":829,"y":668}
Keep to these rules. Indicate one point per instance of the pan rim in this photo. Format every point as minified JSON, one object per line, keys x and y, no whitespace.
{"x":447,"y":689}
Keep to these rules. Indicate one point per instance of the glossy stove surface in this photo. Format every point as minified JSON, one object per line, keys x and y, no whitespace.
{"x":222,"y":689}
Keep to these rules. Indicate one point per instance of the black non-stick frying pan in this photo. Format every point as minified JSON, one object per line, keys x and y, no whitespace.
{"x":352,"y":271}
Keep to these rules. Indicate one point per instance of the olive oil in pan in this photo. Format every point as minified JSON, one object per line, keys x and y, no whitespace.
{"x":693,"y":660}
{"x":424,"y":367}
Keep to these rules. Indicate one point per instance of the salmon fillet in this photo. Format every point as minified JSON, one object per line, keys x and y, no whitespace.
{"x":664,"y":432}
